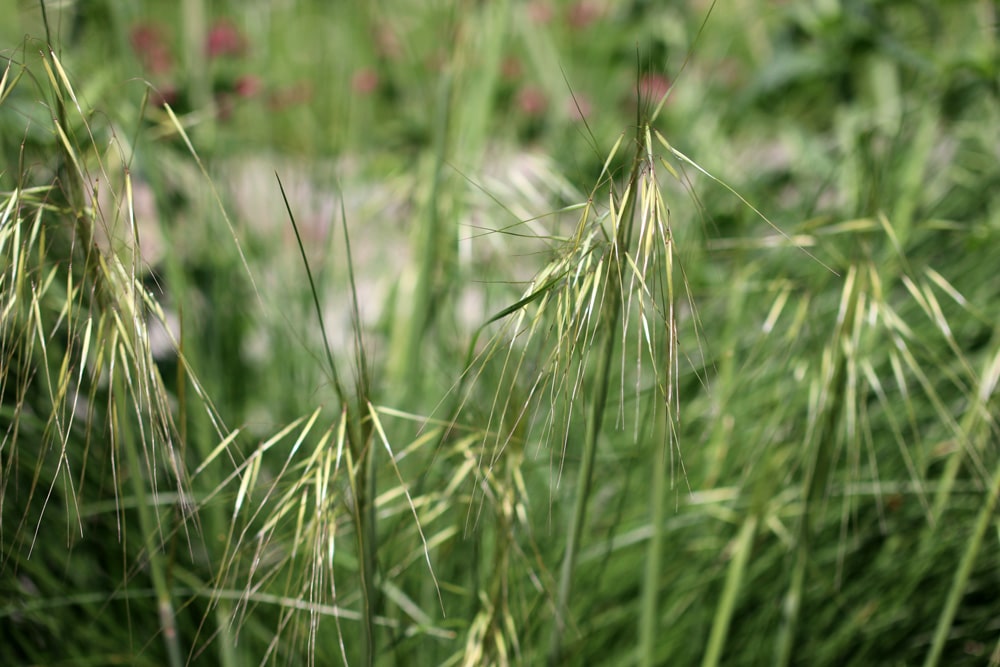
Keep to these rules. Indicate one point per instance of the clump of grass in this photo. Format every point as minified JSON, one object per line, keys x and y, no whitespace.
{"x":91,"y":421}
{"x":683,"y":436}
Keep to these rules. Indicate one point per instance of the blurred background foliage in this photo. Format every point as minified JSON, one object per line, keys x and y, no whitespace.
{"x":833,"y":463}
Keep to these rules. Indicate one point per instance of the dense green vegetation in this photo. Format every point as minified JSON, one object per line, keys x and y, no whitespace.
{"x":568,"y":333}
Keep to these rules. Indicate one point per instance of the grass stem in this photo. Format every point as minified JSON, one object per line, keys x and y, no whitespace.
{"x":741,"y":547}
{"x":607,"y":338}
{"x":964,"y":572}
{"x":148,"y":525}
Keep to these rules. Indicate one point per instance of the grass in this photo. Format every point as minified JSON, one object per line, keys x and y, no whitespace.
{"x":537,"y":370}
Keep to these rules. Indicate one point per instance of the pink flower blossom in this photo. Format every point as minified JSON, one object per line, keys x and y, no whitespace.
{"x":248,"y":85}
{"x":387,"y":43}
{"x":652,"y":87}
{"x":540,"y":12}
{"x":582,"y":14}
{"x":225,"y":39}
{"x":149,"y":44}
{"x":531,"y":101}
{"x":365,"y":81}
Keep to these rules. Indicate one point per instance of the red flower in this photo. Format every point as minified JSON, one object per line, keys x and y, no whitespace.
{"x":540,"y":12}
{"x":148,"y":43}
{"x":248,"y":85}
{"x":365,"y":81}
{"x":145,"y":37}
{"x":224,"y":39}
{"x":387,"y":43}
{"x":532,"y":101}
{"x":582,"y":14}
{"x":652,"y":87}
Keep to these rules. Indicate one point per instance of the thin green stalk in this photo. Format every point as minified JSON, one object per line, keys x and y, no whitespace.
{"x":148,"y":526}
{"x":367,"y":546}
{"x":363,"y":434}
{"x":410,"y":327}
{"x":973,"y":428}
{"x":961,"y":580}
{"x":194,"y":22}
{"x":361,"y":476}
{"x":216,"y":522}
{"x":481,"y":60}
{"x":792,"y":604}
{"x":734,"y":581}
{"x":331,"y":363}
{"x":595,"y":416}
{"x":653,"y":209}
{"x":830,"y":404}
{"x":974,"y":431}
{"x":648,"y":617}
{"x":362,"y":468}
{"x":192,"y":418}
